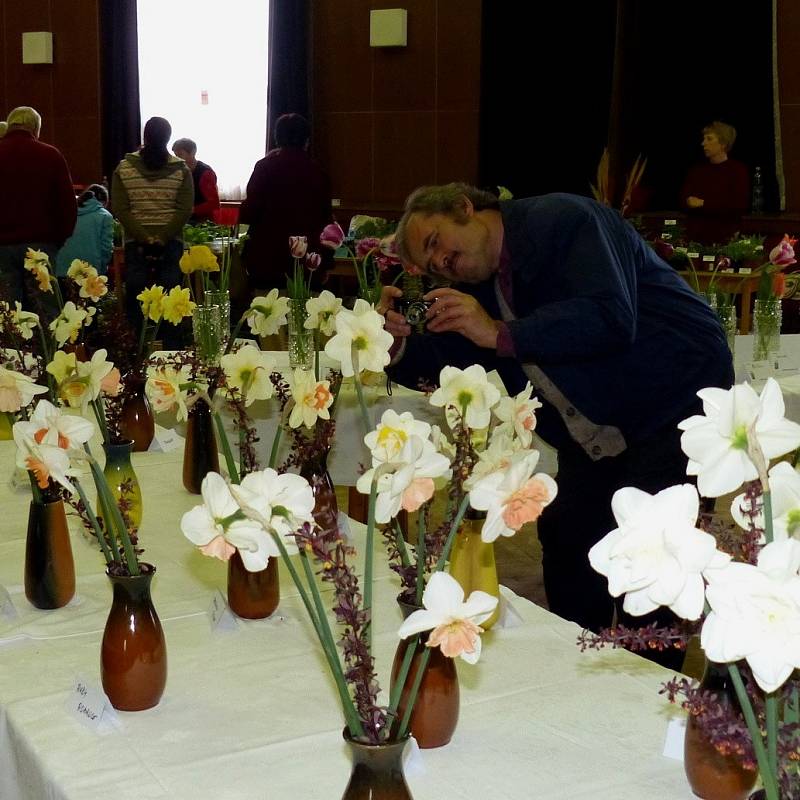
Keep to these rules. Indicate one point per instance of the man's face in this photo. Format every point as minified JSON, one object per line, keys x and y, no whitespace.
{"x":454,"y":249}
{"x":712,"y":146}
{"x":181,"y":153}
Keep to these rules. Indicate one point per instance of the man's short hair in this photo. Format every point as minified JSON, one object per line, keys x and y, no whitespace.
{"x":292,"y":130}
{"x":27,"y":118}
{"x":445,"y":199}
{"x":724,"y":132}
{"x":185,"y":144}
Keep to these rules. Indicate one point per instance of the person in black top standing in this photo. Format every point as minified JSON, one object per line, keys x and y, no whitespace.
{"x":206,"y":194}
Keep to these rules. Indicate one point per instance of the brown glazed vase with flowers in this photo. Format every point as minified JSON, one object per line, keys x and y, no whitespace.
{"x":252,"y":595}
{"x":136,"y":420}
{"x":326,"y":507}
{"x":49,"y":566}
{"x":435,"y":715}
{"x":200,"y":455}
{"x":133,"y":657}
{"x":377,"y":771}
{"x":711,"y":775}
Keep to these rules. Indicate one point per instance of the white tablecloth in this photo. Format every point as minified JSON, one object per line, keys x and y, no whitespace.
{"x":252,"y":713}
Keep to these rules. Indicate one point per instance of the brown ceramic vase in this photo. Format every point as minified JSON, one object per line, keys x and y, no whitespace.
{"x":326,"y":507}
{"x":252,"y":595}
{"x":49,"y":567}
{"x":377,"y":772}
{"x":136,"y":418}
{"x":200,"y":454}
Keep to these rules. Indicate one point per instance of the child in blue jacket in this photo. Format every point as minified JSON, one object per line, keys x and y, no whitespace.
{"x":93,"y":237}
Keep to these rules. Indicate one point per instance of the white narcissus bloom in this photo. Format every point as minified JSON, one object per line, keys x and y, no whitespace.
{"x":755,"y":614}
{"x":268,"y":313}
{"x":164,"y":391}
{"x":281,"y":503}
{"x":312,"y":398}
{"x":67,"y":325}
{"x":502,"y":450}
{"x":716,"y":442}
{"x":656,"y":557}
{"x":45,"y":461}
{"x":392,"y":432}
{"x":363,"y":328}
{"x":94,"y":287}
{"x":466,"y":391}
{"x":519,"y":414}
{"x":51,"y":426}
{"x":784,"y":485}
{"x":23,"y":321}
{"x":512,"y":496}
{"x":322,"y":312}
{"x":453,"y":623}
{"x":248,"y":370}
{"x":17,"y":390}
{"x":79,"y":382}
{"x":408,"y":481}
{"x":79,"y":271}
{"x":213,"y":527}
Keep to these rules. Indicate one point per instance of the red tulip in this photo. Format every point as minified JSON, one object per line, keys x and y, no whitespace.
{"x":332,"y":236}
{"x":364,"y":246}
{"x":782,"y":255}
{"x":226,"y":215}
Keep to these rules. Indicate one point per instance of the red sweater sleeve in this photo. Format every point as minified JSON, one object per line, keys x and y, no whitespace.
{"x":208,"y":187}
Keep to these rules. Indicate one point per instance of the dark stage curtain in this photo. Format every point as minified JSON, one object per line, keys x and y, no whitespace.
{"x":122,"y":122}
{"x":289,"y":37}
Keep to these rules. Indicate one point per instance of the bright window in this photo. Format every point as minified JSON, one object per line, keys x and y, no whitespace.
{"x":203,"y":66}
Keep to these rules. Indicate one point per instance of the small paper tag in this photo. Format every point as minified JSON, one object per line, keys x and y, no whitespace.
{"x":708,"y":258}
{"x":220,"y":615}
{"x":680,"y":249}
{"x":728,"y":269}
{"x":673,"y":741}
{"x":745,"y":270}
{"x":413,"y":763}
{"x":19,"y":480}
{"x":693,"y":255}
{"x":787,"y":363}
{"x":670,"y":222}
{"x":165,"y":440}
{"x":7,"y":609}
{"x":343,"y":522}
{"x":89,"y":706}
{"x":509,"y":616}
{"x":761,"y":370}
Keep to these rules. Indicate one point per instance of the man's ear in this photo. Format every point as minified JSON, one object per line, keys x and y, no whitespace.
{"x":464,"y":207}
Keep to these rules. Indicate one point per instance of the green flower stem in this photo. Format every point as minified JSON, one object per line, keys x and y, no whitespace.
{"x":100,"y":416}
{"x":142,"y":334}
{"x":276,"y":440}
{"x":316,"y":354}
{"x":462,"y":509}
{"x":420,"y":554}
{"x":397,"y":687}
{"x":233,"y":474}
{"x":35,"y":490}
{"x":57,"y":290}
{"x":368,"y":557}
{"x":412,"y":695}
{"x":235,"y":333}
{"x":353,"y":721}
{"x":768,"y":516}
{"x":771,"y":705}
{"x":101,"y":540}
{"x":116,"y":516}
{"x":768,"y":776}
{"x":111,"y":541}
{"x":400,"y":542}
{"x":359,"y":389}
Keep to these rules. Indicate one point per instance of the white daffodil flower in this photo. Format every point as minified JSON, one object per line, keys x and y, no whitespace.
{"x":45,"y":461}
{"x":79,"y":271}
{"x":17,"y":390}
{"x":67,"y":325}
{"x":716,"y":442}
{"x":518,"y":414}
{"x":503,"y":449}
{"x":80,"y":382}
{"x":512,"y":496}
{"x":23,"y":321}
{"x":784,"y":485}
{"x":656,"y":557}
{"x":50,"y":425}
{"x":214,"y":528}
{"x":391,"y":433}
{"x":442,"y":443}
{"x":755,"y":614}
{"x":164,"y":391}
{"x":408,"y":481}
{"x":312,"y":398}
{"x":454,"y":624}
{"x":363,"y":328}
{"x":268,"y":313}
{"x":466,"y":391}
{"x":248,"y":370}
{"x":322,"y":312}
{"x":280,"y":503}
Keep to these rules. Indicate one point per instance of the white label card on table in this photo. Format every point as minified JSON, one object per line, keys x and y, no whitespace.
{"x":89,"y":705}
{"x":745,"y":270}
{"x":673,"y":742}
{"x":241,"y":342}
{"x":693,"y":255}
{"x":165,"y":440}
{"x":708,"y":258}
{"x":760,"y":370}
{"x":413,"y":763}
{"x":343,"y":521}
{"x":220,"y":615}
{"x":19,"y":480}
{"x":670,"y":222}
{"x":509,"y":616}
{"x":7,"y":609}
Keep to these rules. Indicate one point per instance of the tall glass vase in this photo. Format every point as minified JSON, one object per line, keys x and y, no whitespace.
{"x":133,"y":656}
{"x":711,"y":775}
{"x":200,"y":455}
{"x":136,"y":420}
{"x":377,"y":771}
{"x":726,"y":313}
{"x":221,"y":298}
{"x":472,"y":561}
{"x":123,"y":481}
{"x":49,"y":566}
{"x":767,"y":318}
{"x":207,"y":327}
{"x":301,"y":340}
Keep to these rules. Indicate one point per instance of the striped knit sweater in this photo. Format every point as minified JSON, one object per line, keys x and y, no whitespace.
{"x":152,"y":203}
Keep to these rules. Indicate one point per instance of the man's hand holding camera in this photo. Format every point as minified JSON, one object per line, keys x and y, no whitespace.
{"x":451,"y":310}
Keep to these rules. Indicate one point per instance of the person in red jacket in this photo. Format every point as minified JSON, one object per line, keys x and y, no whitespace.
{"x":37,"y":203}
{"x":206,"y":194}
{"x":716,"y":193}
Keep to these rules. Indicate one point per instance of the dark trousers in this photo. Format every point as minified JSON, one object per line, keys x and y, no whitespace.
{"x":581,"y":515}
{"x":146,"y":265}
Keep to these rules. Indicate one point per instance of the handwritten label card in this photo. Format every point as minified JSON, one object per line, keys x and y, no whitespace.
{"x":165,"y":440}
{"x":220,"y":615}
{"x":7,"y":609}
{"x":88,"y":705}
{"x":673,"y":742}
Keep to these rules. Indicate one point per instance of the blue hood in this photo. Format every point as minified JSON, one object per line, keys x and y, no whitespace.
{"x":92,"y":204}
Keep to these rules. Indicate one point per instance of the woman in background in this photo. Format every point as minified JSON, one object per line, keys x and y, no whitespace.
{"x":93,"y":237}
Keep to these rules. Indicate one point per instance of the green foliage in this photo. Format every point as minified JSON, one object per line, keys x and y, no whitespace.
{"x":744,"y":248}
{"x":204,"y":233}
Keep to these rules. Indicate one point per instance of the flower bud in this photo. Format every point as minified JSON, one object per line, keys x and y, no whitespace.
{"x":298,"y":245}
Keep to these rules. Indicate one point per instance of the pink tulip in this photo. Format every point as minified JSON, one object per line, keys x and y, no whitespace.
{"x":298,"y":245}
{"x":313,"y":260}
{"x":782,"y":254}
{"x":364,"y":246}
{"x":332,"y":236}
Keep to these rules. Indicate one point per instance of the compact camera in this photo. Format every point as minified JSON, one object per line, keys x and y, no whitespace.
{"x":413,"y":310}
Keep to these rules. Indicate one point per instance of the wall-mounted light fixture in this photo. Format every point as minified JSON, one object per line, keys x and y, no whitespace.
{"x":388,"y":27}
{"x":37,"y":47}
